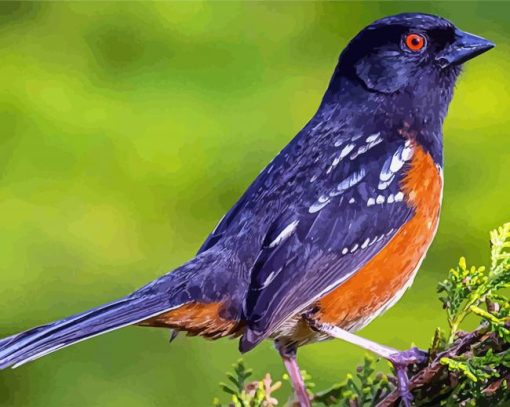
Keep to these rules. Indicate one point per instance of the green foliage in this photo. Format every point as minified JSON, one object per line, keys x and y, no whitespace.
{"x":466,"y":288}
{"x":464,"y":369}
{"x":498,"y":319}
{"x":477,"y":291}
{"x":248,"y":394}
{"x":460,"y":291}
{"x":480,"y":379}
{"x":363,"y":389}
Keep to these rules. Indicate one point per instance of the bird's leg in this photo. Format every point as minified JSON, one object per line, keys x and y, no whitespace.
{"x":290,"y":361}
{"x":399,"y":360}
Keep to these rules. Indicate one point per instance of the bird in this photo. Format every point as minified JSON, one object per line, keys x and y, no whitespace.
{"x":332,"y":232}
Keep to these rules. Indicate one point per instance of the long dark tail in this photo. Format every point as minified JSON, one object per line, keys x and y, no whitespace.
{"x":162,"y":295}
{"x":32,"y":344}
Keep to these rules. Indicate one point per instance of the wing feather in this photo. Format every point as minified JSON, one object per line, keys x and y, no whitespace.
{"x":328,"y":245}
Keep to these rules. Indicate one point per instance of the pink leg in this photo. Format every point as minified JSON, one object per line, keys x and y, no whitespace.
{"x":290,"y":362}
{"x":400,"y":360}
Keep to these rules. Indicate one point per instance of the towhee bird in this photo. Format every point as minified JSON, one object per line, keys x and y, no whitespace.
{"x":332,"y":231}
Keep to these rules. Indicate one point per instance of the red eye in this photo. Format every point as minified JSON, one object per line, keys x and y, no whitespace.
{"x":415,"y":42}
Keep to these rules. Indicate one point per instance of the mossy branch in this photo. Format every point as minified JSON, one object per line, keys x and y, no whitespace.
{"x":464,"y":368}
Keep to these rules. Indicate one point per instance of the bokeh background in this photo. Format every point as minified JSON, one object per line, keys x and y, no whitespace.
{"x":128,"y":129}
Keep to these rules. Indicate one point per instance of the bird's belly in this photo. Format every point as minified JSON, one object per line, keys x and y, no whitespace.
{"x":377,"y":286}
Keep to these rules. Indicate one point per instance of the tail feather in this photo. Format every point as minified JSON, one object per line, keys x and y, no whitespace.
{"x":186,"y":284}
{"x":37,"y":342}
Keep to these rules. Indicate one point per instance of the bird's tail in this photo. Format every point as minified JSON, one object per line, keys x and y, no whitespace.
{"x":167,"y":293}
{"x":32,"y":344}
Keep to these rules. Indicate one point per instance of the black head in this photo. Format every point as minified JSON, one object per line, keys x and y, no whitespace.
{"x":409,"y":50}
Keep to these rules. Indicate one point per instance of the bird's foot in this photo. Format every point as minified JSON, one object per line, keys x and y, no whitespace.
{"x":401,"y":361}
{"x":413,"y":356}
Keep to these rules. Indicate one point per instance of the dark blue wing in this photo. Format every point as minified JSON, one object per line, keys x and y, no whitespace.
{"x":217,"y":234}
{"x":316,"y":244}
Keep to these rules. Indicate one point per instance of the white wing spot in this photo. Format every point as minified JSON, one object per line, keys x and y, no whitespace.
{"x":346,"y":150}
{"x":335,"y":162}
{"x":284,"y":234}
{"x":373,"y":137}
{"x":317,"y":206}
{"x":370,"y":202}
{"x":390,"y":199}
{"x":380,"y":199}
{"x":385,"y":184}
{"x":407,"y":151}
{"x":269,"y":279}
{"x":345,"y":250}
{"x":352,"y":200}
{"x":399,"y":197}
{"x":396,"y":161}
{"x":354,"y":248}
{"x":350,"y":181}
{"x":365,"y":243}
{"x":394,"y":164}
{"x":363,"y":149}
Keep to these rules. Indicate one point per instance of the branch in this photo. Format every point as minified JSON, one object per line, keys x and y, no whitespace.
{"x":435,"y":375}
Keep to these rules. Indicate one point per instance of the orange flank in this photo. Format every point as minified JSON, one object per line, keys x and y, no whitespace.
{"x":197,"y":319}
{"x":384,"y":278}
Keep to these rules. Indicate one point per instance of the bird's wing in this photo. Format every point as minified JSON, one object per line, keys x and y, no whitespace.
{"x":219,"y":231}
{"x":312,"y":248}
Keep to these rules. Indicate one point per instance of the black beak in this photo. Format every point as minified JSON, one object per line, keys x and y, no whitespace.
{"x":465,"y":47}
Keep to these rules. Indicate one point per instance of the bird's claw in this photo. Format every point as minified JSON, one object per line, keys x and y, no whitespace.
{"x":400,"y":361}
{"x":409,"y":357}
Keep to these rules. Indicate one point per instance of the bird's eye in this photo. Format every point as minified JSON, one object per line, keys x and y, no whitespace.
{"x":415,"y":42}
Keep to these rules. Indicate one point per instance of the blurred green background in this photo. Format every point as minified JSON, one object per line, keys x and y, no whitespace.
{"x":128,"y":129}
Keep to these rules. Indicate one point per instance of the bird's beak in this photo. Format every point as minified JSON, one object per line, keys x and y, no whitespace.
{"x":465,"y":47}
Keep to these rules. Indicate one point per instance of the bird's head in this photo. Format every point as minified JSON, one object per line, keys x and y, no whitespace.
{"x":409,"y":50}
